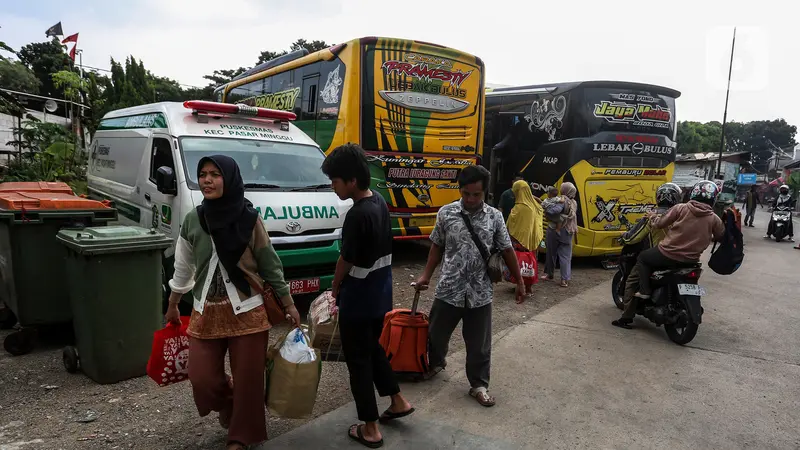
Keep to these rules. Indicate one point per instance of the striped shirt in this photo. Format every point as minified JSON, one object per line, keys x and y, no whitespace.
{"x":366,"y":291}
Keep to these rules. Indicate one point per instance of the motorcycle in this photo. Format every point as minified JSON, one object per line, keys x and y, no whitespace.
{"x":675,"y":302}
{"x":781,"y":217}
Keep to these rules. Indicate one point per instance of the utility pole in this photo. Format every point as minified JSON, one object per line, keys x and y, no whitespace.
{"x":725,"y":114}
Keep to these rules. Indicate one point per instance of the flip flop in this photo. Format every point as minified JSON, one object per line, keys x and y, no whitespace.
{"x":388,"y":416}
{"x":482,"y":397}
{"x":360,"y":437}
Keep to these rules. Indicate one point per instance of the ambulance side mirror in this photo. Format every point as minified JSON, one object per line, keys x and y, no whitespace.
{"x":165,"y":181}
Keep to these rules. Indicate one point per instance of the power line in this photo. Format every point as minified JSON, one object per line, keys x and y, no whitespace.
{"x":108,"y":71}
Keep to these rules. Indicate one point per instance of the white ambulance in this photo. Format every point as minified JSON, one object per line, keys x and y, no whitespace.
{"x":144,"y":159}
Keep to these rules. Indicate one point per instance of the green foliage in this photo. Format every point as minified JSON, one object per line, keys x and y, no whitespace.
{"x":794,"y":183}
{"x":758,"y":137}
{"x":50,"y":154}
{"x":70,"y":83}
{"x":44,"y":59}
{"x":16,"y":77}
{"x":38,"y":136}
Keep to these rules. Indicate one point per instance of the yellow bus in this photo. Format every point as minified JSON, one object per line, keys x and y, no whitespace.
{"x":415,"y":107}
{"x":614,"y":140}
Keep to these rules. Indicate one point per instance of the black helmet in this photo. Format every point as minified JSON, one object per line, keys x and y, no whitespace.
{"x":705,"y":192}
{"x":668,"y":195}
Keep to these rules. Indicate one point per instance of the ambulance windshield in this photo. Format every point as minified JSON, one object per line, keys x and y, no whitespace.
{"x":264,"y":164}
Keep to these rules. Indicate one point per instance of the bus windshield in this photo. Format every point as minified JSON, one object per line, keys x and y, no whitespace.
{"x":263,"y":164}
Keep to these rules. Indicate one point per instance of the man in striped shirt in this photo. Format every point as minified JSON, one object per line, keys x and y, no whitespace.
{"x":362,"y":287}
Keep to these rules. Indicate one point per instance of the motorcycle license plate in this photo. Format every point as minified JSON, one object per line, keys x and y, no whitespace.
{"x":691,"y":289}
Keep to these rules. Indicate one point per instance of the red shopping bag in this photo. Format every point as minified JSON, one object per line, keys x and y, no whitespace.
{"x":528,"y":267}
{"x":169,"y":358}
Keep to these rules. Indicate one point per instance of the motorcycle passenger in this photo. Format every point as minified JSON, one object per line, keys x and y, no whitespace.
{"x":643,"y":234}
{"x":784,"y":199}
{"x":690,"y":229}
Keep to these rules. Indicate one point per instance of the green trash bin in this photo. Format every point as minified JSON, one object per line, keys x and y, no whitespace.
{"x":32,"y":274}
{"x":114,"y":280}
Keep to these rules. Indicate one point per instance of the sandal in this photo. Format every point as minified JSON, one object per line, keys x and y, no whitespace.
{"x":359,"y":437}
{"x":564,"y":283}
{"x":482,"y":396}
{"x":388,"y":416}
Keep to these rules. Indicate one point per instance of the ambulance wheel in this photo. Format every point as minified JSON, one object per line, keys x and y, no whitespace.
{"x":7,"y":319}
{"x":71,"y":360}
{"x":20,"y":342}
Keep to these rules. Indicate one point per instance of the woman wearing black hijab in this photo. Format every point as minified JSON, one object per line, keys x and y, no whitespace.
{"x":223,"y":250}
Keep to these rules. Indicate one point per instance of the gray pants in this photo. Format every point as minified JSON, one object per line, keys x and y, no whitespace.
{"x":477,"y":331}
{"x":559,"y":249}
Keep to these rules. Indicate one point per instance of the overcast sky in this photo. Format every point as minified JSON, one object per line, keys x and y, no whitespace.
{"x":681,"y":44}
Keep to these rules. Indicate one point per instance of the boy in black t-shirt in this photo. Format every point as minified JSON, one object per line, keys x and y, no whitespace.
{"x":362,"y":287}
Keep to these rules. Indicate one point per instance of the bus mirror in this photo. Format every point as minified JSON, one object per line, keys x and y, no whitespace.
{"x":165,"y":181}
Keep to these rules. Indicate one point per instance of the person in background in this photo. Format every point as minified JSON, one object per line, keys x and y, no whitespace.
{"x":784,"y":199}
{"x":562,"y":225}
{"x":222,"y":252}
{"x":507,"y":200}
{"x":751,"y":200}
{"x":525,"y":222}
{"x":465,"y":290}
{"x":362,"y":286}
{"x":691,"y":228}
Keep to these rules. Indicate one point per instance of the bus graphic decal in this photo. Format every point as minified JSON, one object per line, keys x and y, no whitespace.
{"x":547,"y":116}
{"x":605,"y":210}
{"x":638,"y":113}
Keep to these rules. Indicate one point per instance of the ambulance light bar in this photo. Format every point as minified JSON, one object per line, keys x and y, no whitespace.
{"x":200,"y":106}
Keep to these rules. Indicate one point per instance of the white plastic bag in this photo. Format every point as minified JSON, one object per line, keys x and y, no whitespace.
{"x":295,"y":348}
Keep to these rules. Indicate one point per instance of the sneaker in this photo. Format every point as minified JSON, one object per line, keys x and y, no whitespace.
{"x":791,"y":239}
{"x":766,"y":236}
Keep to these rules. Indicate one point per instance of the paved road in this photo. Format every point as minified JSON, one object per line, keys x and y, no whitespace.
{"x":569,"y":380}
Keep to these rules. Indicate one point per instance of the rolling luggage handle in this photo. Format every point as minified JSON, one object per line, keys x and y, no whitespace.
{"x":416,"y":299}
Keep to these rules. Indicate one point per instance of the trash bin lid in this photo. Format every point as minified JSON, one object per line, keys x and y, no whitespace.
{"x":36,"y":186}
{"x":44,"y":201}
{"x":113,"y":239}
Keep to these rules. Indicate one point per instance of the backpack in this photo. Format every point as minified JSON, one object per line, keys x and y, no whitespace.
{"x":405,"y":339}
{"x":727,"y":257}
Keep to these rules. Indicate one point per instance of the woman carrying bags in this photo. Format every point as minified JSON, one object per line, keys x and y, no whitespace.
{"x":525,"y":224}
{"x":224,"y":256}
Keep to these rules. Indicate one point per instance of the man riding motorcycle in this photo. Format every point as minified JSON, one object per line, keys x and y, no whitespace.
{"x":783,"y":200}
{"x":667,"y":196}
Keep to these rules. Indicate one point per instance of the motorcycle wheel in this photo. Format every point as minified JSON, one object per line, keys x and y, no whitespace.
{"x":682,"y":333}
{"x":617,"y":290}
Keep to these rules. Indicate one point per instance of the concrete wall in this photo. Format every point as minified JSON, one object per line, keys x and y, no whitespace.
{"x":8,"y":123}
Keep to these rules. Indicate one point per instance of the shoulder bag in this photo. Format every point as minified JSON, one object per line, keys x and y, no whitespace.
{"x":494,"y":261}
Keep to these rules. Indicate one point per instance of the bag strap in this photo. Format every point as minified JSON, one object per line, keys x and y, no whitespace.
{"x":395,"y":338}
{"x":475,"y":238}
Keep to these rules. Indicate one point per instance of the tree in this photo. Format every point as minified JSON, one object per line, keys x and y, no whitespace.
{"x":312,"y":46}
{"x":16,"y":77}
{"x":696,"y":137}
{"x":220,"y":77}
{"x":44,"y":59}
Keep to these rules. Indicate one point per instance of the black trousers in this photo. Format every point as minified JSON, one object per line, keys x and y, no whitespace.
{"x":650,"y":260}
{"x":477,"y":332}
{"x":368,"y":366}
{"x":749,"y":216}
